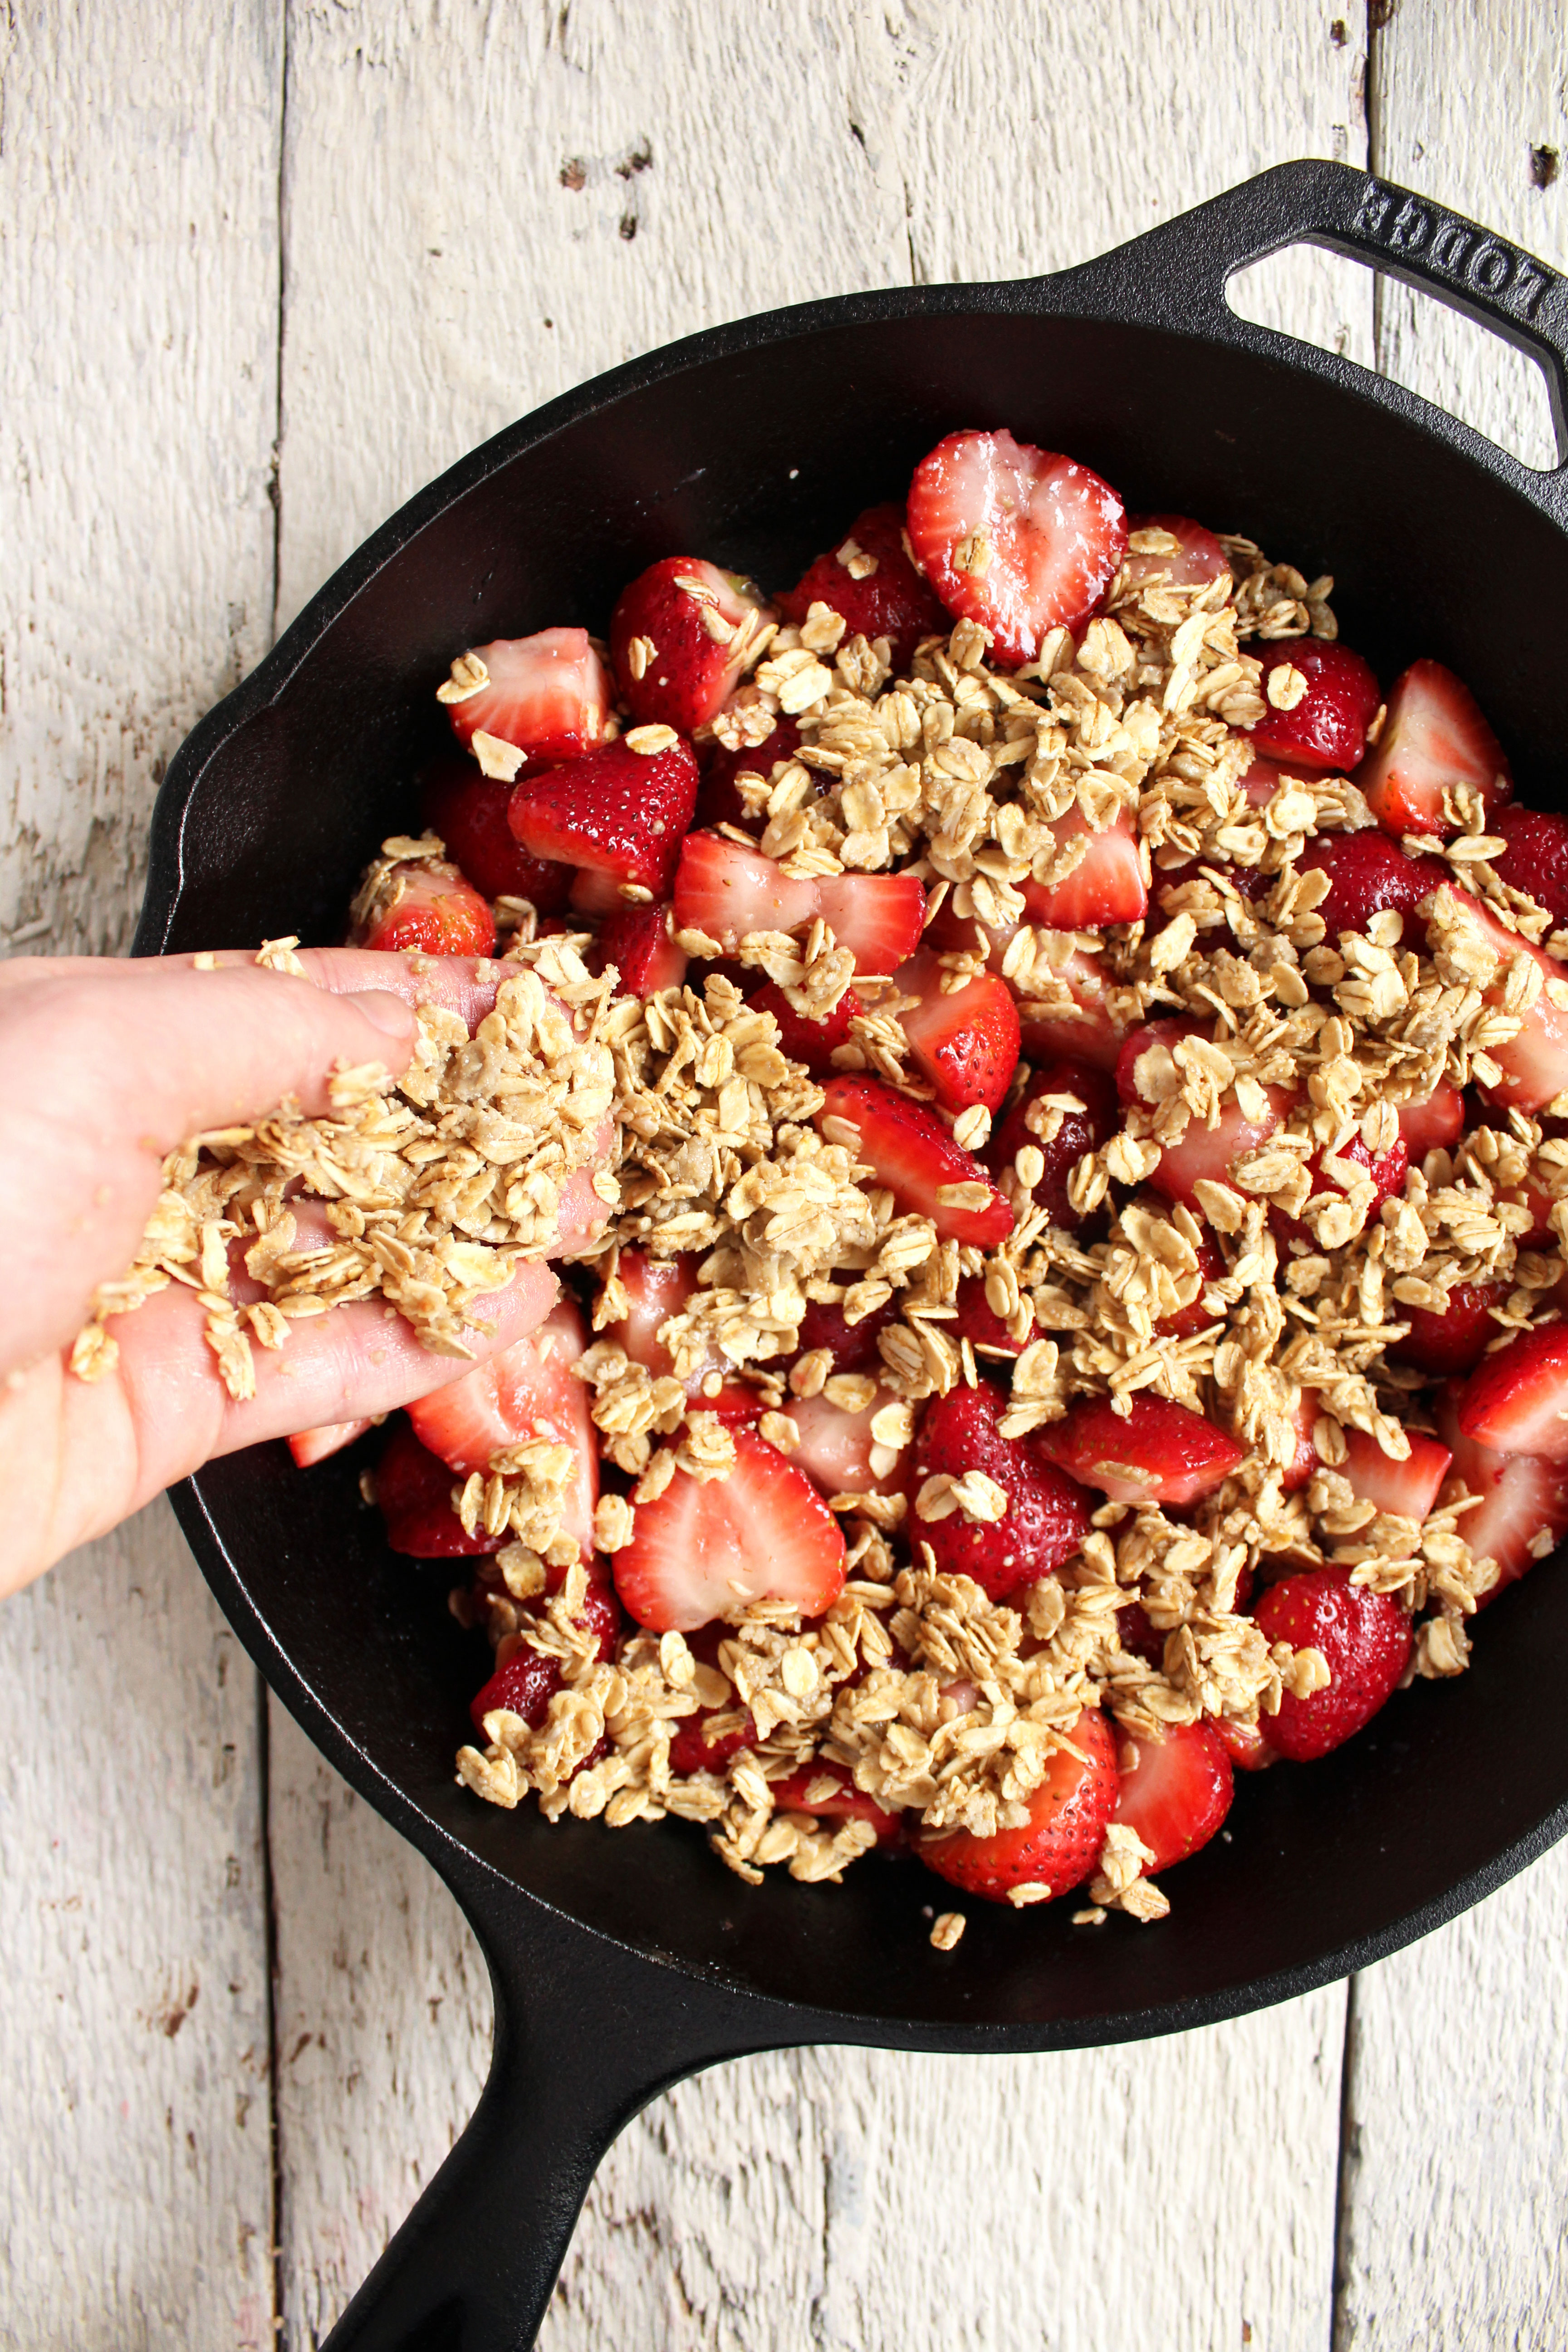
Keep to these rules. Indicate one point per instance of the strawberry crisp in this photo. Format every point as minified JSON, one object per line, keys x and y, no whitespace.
{"x":1075,"y":1307}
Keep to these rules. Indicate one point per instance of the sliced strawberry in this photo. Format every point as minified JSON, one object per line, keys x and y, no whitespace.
{"x":526,"y":1391}
{"x":616,"y":811}
{"x":877,"y":917}
{"x":1327,"y":727}
{"x":637,"y":941}
{"x":826,"y":1792}
{"x":1059,"y":1845}
{"x":1019,"y":539}
{"x":1203,"y":1152}
{"x":727,"y":891}
{"x":415,"y":1492}
{"x":679,"y":638}
{"x":1408,"y":1489}
{"x":1536,"y":859}
{"x":548,"y":696}
{"x":1197,"y":1316}
{"x":718,"y":801}
{"x":1523,"y":1511}
{"x":1516,"y":1400}
{"x":1367,"y":872}
{"x":965,"y":1043}
{"x":852,"y":1345}
{"x":839,"y":1450}
{"x":308,"y":1447}
{"x":1106,"y":886}
{"x":1175,"y":1792}
{"x":1364,"y":1638}
{"x":811,"y":1042}
{"x":469,"y":810}
{"x":891,"y":599}
{"x":1245,"y":1745}
{"x":1456,"y":1340}
{"x":705,"y":1550}
{"x":1434,"y":735}
{"x":1264,"y":778}
{"x":1194,"y":560}
{"x":425,"y":906}
{"x":1134,"y":1087}
{"x":1160,"y":1453}
{"x":527,"y":1683}
{"x":911,"y":1151}
{"x":983,"y":1329}
{"x":1088,"y":1033}
{"x":594,"y":895}
{"x":1047,"y":1517}
{"x":1534,"y":1063}
{"x":1385,"y":1173}
{"x":656,"y":1288}
{"x":1434,"y":1124}
{"x":697,"y":1748}
{"x":1077,"y":1132}
{"x":1295,"y":1476}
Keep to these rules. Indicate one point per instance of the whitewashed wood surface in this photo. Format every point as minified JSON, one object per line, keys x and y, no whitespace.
{"x":264,"y":270}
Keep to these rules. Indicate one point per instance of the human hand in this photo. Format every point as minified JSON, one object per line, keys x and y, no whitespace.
{"x":104,"y":1067}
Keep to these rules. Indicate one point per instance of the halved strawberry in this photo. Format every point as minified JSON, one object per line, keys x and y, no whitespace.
{"x":1433,"y":735}
{"x":1175,"y":1792}
{"x":637,"y":941}
{"x":469,"y":810}
{"x":811,"y":1042}
{"x":912,"y":1153}
{"x":425,"y":906}
{"x":1019,"y":539}
{"x":1364,"y":1638}
{"x":1516,"y":1400}
{"x":1523,"y":1510}
{"x":1327,"y":727}
{"x":548,"y":696}
{"x":617,"y":812}
{"x":1245,"y":1745}
{"x":1385,"y":1173}
{"x":1203,"y":1152}
{"x":312,"y":1446}
{"x":1087,"y":1031}
{"x":696,"y":1746}
{"x":1075,"y":1132}
{"x":1106,"y":886}
{"x":1264,"y":778}
{"x":826,"y":1792}
{"x":965,"y":1043}
{"x":1536,"y":859}
{"x":1407,"y":1488}
{"x":1197,"y":1316}
{"x":983,"y":1329}
{"x":1195,"y":557}
{"x":718,"y":801}
{"x":527,"y":1391}
{"x":1047,"y":1515}
{"x":656,"y":1288}
{"x":877,"y":917}
{"x":704,"y":1550}
{"x":727,"y":891}
{"x":1367,"y":872}
{"x":1456,"y":1340}
{"x":527,"y":1681}
{"x":1160,"y":1453}
{"x":852,"y":1345}
{"x":1434,"y":1124}
{"x":413,"y":1489}
{"x":889,"y":601}
{"x":1534,"y":1063}
{"x":1059,"y":1845}
{"x":839,"y":1450}
{"x":679,"y":638}
{"x":1296,"y":1473}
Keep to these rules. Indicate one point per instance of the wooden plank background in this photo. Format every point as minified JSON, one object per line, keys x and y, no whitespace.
{"x":264,"y":270}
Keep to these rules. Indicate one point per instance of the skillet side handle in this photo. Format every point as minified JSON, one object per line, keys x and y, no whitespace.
{"x":585,"y":2035}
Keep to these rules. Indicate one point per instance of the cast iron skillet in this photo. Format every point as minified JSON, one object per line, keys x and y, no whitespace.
{"x":622,"y":1960}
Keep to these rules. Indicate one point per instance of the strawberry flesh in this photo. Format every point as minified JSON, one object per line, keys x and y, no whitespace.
{"x":965,"y":1042}
{"x":469,"y":810}
{"x":1523,"y":1510}
{"x":548,"y":696}
{"x":1327,"y":729}
{"x":911,"y":1151}
{"x":1196,"y":560}
{"x":1048,"y":1513}
{"x":1534,"y":1063}
{"x":1434,"y":1124}
{"x":1434,"y":735}
{"x":811,"y":1042}
{"x":1385,"y":1173}
{"x":615,"y":812}
{"x":1106,"y":886}
{"x":1175,"y":1792}
{"x":527,"y":1390}
{"x":1456,"y":1340}
{"x":985,"y":1330}
{"x":807,"y":1791}
{"x":1364,"y":1638}
{"x":678,"y":637}
{"x":527,"y":1683}
{"x":877,"y":917}
{"x":1408,"y":1489}
{"x":430,"y":910}
{"x":1516,"y":1400}
{"x":695,"y":1553}
{"x":413,"y":1489}
{"x":1160,"y":1453}
{"x":1059,"y":1845}
{"x":718,"y":801}
{"x":724,"y":891}
{"x":637,"y":941}
{"x":852,"y":1345}
{"x":1536,"y":859}
{"x":892,"y":601}
{"x":1367,"y":872}
{"x":1079,"y":1132}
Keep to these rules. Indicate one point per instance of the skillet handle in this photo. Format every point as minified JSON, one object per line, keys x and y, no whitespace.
{"x":1179,"y":271}
{"x":585,"y":2034}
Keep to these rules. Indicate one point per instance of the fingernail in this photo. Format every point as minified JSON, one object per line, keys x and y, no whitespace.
{"x":386,"y":1011}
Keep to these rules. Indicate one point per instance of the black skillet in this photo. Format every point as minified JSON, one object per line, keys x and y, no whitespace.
{"x":622,"y":1960}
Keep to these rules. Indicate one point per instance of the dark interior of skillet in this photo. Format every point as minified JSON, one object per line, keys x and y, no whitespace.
{"x":759,"y":457}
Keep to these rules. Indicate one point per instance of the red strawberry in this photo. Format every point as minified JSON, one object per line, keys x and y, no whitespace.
{"x":1203,"y":1152}
{"x":718,"y":801}
{"x":1367,"y":872}
{"x":811,"y":1042}
{"x":911,"y":1151}
{"x":1385,"y":1173}
{"x":877,"y":917}
{"x":1434,"y":1124}
{"x":1454,"y":1341}
{"x":1175,"y":1792}
{"x":966,"y":1043}
{"x":1536,"y":859}
{"x":1197,"y":1316}
{"x":1086,"y":1034}
{"x":1364,"y":1638}
{"x":1264,"y":778}
{"x":889,"y":601}
{"x":1196,"y":558}
{"x":426,"y":907}
{"x":1523,"y":1511}
{"x":1106,"y":886}
{"x":1161,"y":1453}
{"x":312,"y":1446}
{"x":696,"y":1745}
{"x":415,"y":1492}
{"x":469,"y":810}
{"x":1016,"y":538}
{"x":1516,"y":1400}
{"x":527,"y":1683}
{"x":852,"y":1345}
{"x":548,"y":696}
{"x":726,"y":891}
{"x":1060,"y":1843}
{"x":1534,"y":1063}
{"x":826,"y":1792}
{"x":617,"y":812}
{"x":679,"y":638}
{"x":698,"y":1550}
{"x":1433,"y":735}
{"x":985,"y":1332}
{"x":1245,"y":1745}
{"x":656,"y":1288}
{"x":1046,"y":1517}
{"x":1305,"y":1416}
{"x":1327,"y":729}
{"x":527,"y":1391}
{"x":838,"y":1450}
{"x":1408,"y":1489}
{"x":1138,"y":1635}
{"x":1079,"y":1132}
{"x":637,"y":941}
